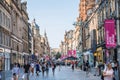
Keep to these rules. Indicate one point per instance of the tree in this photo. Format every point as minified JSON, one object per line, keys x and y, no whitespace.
{"x":58,"y":55}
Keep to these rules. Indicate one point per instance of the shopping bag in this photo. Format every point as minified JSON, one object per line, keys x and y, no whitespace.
{"x":23,"y":77}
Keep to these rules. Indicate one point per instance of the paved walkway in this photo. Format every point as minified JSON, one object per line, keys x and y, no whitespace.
{"x":65,"y":73}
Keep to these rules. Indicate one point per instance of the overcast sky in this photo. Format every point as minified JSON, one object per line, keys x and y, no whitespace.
{"x":54,"y":16}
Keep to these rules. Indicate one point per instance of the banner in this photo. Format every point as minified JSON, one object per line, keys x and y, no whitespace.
{"x":71,"y":53}
{"x":110,"y":37}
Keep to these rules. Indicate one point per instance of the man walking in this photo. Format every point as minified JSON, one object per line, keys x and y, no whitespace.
{"x":26,"y":70}
{"x":87,"y":68}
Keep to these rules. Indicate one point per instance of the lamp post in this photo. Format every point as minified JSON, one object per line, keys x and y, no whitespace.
{"x":80,"y":44}
{"x":79,"y":23}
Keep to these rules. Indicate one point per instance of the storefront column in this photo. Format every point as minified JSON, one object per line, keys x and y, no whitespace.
{"x":7,"y":59}
{"x":118,"y":58}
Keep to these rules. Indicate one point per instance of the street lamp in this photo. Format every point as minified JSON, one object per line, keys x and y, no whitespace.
{"x":80,"y":43}
{"x":79,"y":23}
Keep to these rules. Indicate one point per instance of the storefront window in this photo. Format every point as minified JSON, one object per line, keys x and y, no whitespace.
{"x":0,"y":63}
{"x":119,"y":33}
{"x":0,"y":37}
{"x":0,"y":17}
{"x":3,"y":36}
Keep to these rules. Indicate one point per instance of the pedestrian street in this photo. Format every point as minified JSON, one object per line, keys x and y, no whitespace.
{"x":65,"y":73}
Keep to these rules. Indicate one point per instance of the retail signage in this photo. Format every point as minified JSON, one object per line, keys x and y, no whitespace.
{"x":72,"y":53}
{"x":1,"y":50}
{"x":110,"y":36}
{"x":7,"y":50}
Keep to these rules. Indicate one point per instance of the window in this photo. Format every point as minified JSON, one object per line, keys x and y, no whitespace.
{"x":3,"y":19}
{"x":9,"y":41}
{"x":0,"y":17}
{"x":113,"y":5}
{"x":9,"y":23}
{"x":6,"y":21}
{"x":119,"y":33}
{"x":0,"y":37}
{"x":102,"y":35}
{"x":96,"y":1}
{"x":98,"y":37}
{"x":1,"y":63}
{"x":3,"y":38}
{"x":104,"y":13}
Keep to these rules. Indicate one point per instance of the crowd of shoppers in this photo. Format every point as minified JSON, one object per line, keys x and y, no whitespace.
{"x":33,"y":68}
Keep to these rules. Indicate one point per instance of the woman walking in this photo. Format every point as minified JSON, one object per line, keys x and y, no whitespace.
{"x":53,"y":68}
{"x":43,"y":68}
{"x":47,"y":69}
{"x":108,"y":73}
{"x":15,"y":72}
{"x":37,"y":66}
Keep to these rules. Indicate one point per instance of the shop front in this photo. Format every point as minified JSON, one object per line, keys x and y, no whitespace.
{"x":98,"y":55}
{"x":26,"y":57}
{"x":21,"y":58}
{"x":1,"y":59}
{"x":110,"y":39}
{"x":7,"y":59}
{"x":13,"y":59}
{"x":4,"y":59}
{"x":88,"y":55}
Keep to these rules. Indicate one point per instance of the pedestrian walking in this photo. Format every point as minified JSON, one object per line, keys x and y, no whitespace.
{"x":43,"y":68}
{"x":108,"y":73}
{"x":87,"y":67}
{"x":73,"y":66}
{"x":26,"y":71}
{"x":53,"y":68}
{"x":96,"y":68}
{"x":105,"y":67}
{"x":116,"y":65}
{"x":15,"y":72}
{"x":47,"y":69}
{"x":32,"y":68}
{"x":37,"y":66}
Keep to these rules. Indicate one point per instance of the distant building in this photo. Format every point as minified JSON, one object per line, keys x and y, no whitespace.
{"x":40,"y":43}
{"x":36,"y":39}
